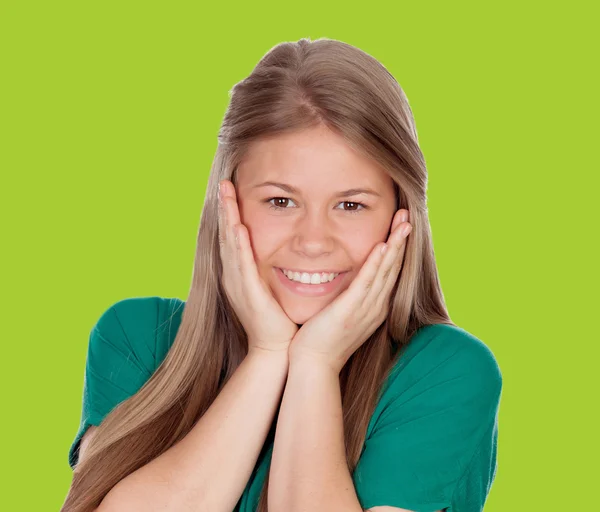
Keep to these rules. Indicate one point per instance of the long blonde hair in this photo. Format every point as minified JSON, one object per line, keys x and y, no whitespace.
{"x":296,"y":85}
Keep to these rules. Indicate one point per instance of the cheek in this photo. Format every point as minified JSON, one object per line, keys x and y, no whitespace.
{"x":363,"y":243}
{"x":265,"y":236}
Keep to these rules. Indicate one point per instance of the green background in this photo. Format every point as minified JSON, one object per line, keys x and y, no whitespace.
{"x":109,"y":113}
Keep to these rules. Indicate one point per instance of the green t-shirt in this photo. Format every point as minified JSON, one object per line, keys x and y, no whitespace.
{"x":431,"y":442}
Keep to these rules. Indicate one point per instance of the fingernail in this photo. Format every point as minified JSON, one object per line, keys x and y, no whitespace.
{"x":406,"y":230}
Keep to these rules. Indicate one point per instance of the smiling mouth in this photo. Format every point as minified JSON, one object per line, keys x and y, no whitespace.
{"x":310,"y":273}
{"x":336,"y":277}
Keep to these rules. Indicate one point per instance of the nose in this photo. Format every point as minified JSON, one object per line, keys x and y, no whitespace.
{"x":313,"y":235}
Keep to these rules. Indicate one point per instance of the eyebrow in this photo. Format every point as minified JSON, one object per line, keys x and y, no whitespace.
{"x":293,"y":190}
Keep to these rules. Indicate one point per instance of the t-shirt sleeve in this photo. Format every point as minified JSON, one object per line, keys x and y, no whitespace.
{"x":120,"y":359}
{"x":434,"y":444}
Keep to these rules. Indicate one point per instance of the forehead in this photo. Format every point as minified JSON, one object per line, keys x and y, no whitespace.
{"x":314,"y":157}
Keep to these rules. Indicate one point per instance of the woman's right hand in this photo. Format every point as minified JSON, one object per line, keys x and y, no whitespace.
{"x":267,"y":326}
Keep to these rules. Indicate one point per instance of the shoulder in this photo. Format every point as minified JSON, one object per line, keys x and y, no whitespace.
{"x":136,"y":313}
{"x":440,"y":355}
{"x":142,"y":328}
{"x":438,"y":408}
{"x":450,"y":346}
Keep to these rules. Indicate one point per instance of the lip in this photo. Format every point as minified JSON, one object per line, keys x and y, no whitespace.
{"x":315,"y":272}
{"x":310,"y":290}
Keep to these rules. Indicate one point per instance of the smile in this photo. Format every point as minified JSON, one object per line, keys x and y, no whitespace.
{"x":310,"y":288}
{"x":310,"y":277}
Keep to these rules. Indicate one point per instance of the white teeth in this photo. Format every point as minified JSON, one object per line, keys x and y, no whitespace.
{"x":307,"y":278}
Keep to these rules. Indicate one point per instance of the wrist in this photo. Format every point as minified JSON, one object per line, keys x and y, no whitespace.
{"x":307,"y":361}
{"x":269,"y":354}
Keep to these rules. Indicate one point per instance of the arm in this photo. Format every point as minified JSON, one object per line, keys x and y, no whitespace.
{"x":210,"y":467}
{"x":309,"y":470}
{"x":308,"y":467}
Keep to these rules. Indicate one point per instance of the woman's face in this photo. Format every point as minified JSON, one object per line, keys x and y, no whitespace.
{"x":315,"y":227}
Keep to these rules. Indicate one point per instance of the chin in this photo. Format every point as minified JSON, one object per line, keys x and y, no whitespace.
{"x":300,"y":314}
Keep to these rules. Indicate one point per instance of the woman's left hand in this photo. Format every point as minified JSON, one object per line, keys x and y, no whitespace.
{"x":337,"y":331}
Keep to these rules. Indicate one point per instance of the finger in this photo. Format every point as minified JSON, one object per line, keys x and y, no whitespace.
{"x":229,"y":248}
{"x":255,"y":288}
{"x":221,"y":220}
{"x":391,"y":275}
{"x":361,"y":287}
{"x":390,"y":267}
{"x":243,"y":256}
{"x":368,"y":286}
{"x":248,"y":266}
{"x":375,"y":284}
{"x":398,"y":219}
{"x":232,"y":210}
{"x":233,"y":217}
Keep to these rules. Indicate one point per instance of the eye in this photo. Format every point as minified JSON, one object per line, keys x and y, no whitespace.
{"x":277,"y":207}
{"x":362,"y":206}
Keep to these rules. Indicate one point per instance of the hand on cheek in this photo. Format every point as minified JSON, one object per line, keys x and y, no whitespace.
{"x":335,"y":333}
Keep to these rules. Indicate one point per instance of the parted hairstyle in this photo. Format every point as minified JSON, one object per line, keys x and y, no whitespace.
{"x":295,"y":86}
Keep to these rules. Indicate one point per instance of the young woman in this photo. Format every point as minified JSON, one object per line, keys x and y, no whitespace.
{"x":307,"y":369}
